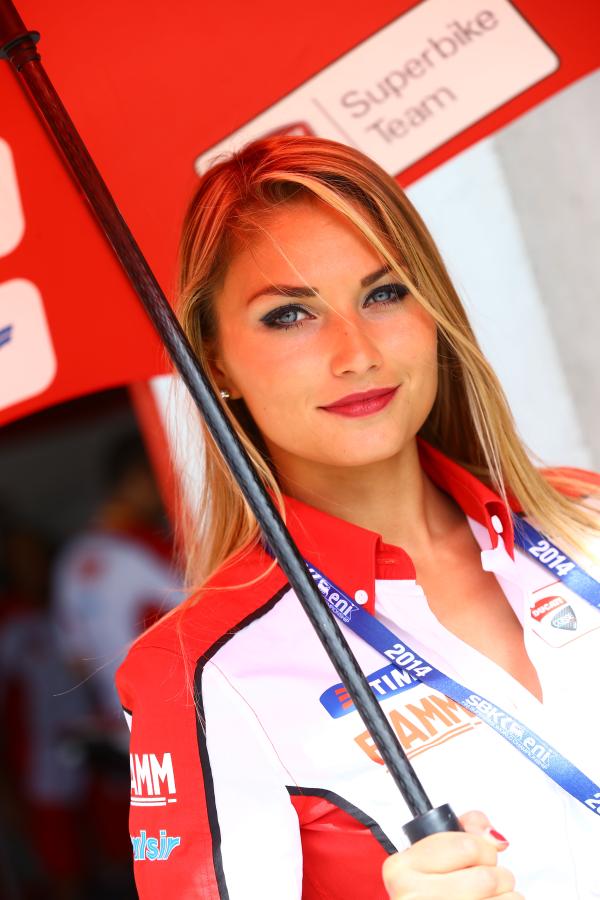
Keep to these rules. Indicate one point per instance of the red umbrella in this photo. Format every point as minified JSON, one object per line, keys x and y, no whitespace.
{"x":447,"y":49}
{"x":152,"y":90}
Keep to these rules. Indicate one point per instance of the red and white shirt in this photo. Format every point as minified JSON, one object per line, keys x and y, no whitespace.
{"x":253,"y":777}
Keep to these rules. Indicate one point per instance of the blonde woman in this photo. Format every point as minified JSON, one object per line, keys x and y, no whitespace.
{"x":319,"y":306}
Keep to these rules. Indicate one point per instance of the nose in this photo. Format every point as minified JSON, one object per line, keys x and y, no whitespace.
{"x":352,"y":349}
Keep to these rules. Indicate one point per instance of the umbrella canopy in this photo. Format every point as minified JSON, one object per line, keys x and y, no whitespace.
{"x":448,"y":109}
{"x":155,"y":91}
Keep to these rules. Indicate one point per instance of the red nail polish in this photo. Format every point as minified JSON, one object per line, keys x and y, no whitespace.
{"x":497,"y":836}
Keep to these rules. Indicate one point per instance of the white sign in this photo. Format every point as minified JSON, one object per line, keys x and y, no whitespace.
{"x":413,"y":85}
{"x":12,"y":222}
{"x":27,"y":360}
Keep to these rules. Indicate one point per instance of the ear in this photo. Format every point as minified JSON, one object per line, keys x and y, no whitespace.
{"x":220,"y":373}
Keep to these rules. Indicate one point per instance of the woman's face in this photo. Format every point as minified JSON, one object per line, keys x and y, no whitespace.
{"x":291,"y":354}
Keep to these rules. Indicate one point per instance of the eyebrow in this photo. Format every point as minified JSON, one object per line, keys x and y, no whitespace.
{"x":288,"y":290}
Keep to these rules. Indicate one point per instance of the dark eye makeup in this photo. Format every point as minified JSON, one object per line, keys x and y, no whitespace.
{"x":387,"y":293}
{"x":284,"y":317}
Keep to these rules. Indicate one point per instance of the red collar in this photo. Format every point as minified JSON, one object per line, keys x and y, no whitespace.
{"x":353,"y":557}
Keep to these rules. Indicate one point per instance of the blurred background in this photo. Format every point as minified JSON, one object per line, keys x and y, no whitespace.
{"x":85,"y":566}
{"x":95,"y":432}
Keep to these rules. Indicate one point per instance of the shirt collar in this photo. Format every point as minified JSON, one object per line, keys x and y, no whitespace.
{"x":353,"y":557}
{"x":472,"y":495}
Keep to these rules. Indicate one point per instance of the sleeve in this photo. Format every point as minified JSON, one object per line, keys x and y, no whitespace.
{"x":210,"y":813}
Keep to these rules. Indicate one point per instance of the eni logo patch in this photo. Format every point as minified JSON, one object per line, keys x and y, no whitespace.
{"x":153,"y":848}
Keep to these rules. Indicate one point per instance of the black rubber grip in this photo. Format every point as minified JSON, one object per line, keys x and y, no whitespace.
{"x":442,"y":818}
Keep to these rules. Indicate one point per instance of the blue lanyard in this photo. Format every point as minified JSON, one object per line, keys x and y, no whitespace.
{"x":556,"y":562}
{"x":415,"y":667}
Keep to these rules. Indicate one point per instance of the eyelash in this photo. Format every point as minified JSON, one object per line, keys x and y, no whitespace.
{"x":399,"y":291}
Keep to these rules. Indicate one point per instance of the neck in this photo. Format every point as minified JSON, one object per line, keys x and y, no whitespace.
{"x":393,"y":497}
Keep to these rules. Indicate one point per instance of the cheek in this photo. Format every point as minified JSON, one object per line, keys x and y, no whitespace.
{"x":270,"y":369}
{"x":414,"y":343}
{"x":274,"y":374}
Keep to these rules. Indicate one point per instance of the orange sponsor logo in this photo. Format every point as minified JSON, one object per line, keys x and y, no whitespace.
{"x":423,"y":725}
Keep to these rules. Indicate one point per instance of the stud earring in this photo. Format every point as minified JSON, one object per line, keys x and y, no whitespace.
{"x":225,"y":395}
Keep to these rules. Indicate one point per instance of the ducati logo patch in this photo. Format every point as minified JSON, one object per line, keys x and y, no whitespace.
{"x":561,"y":618}
{"x":546,"y":605}
{"x":565,"y":619}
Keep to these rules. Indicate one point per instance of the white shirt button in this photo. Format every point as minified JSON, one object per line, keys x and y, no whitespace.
{"x":361,"y":597}
{"x":497,"y":524}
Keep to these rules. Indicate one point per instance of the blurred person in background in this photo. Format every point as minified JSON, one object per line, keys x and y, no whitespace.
{"x":42,"y":785}
{"x":115,"y":578}
{"x":110,"y":582}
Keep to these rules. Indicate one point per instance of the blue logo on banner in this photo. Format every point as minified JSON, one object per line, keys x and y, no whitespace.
{"x":384,"y":683}
{"x":6,"y":335}
{"x":152,"y":848}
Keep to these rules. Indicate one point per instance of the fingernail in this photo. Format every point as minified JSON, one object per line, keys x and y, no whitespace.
{"x":499,"y":838}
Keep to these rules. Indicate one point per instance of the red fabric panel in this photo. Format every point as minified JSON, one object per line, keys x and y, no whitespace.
{"x":342,"y":858}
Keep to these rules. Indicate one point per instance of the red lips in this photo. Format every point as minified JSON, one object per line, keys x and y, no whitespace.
{"x":362,"y":404}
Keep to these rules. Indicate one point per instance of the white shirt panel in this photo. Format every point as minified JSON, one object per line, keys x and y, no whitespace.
{"x":260,"y":836}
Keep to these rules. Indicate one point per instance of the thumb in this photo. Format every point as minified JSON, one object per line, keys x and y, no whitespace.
{"x":476,"y":822}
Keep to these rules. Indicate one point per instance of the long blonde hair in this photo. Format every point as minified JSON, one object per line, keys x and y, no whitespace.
{"x":470,"y":420}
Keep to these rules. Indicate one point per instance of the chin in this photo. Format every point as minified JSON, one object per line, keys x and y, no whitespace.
{"x":357,"y":455}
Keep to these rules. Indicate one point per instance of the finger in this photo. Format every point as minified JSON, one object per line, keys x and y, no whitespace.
{"x":512,"y":895}
{"x":476,"y":822}
{"x":450,"y":851}
{"x":477,"y":883}
{"x":437,"y":854}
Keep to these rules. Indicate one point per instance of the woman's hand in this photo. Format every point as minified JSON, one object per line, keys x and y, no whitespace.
{"x":452,"y":866}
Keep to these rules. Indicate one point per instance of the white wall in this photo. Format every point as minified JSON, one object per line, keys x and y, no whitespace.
{"x":467,"y":205}
{"x":550,"y":162}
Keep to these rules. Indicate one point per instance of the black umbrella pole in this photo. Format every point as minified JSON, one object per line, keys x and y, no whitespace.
{"x":18,"y":45}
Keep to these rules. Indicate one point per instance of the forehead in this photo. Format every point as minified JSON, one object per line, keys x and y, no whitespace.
{"x":301,"y":239}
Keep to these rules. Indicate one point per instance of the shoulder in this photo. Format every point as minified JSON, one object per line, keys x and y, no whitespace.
{"x":229,"y":601}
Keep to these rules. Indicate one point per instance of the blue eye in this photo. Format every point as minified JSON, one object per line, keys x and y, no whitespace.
{"x":387,"y":293}
{"x":285,"y":317}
